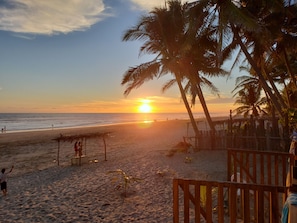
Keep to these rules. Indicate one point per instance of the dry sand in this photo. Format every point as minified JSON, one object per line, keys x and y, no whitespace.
{"x":41,"y":191}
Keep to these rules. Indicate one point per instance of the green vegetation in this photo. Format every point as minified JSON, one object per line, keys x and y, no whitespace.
{"x":122,"y":180}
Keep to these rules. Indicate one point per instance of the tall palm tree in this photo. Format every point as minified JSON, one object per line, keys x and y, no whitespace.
{"x":171,"y":35}
{"x":162,"y":31}
{"x":236,"y":21}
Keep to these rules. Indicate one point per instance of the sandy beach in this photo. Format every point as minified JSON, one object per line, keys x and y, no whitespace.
{"x":41,"y":191}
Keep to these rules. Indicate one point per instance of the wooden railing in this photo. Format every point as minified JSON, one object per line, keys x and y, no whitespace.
{"x":211,"y":201}
{"x":260,"y":167}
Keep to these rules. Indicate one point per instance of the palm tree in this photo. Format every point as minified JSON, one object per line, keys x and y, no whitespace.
{"x":242,"y":23}
{"x":285,"y":47}
{"x":162,"y":31}
{"x":171,"y":35}
{"x":280,"y":73}
{"x":249,"y":97}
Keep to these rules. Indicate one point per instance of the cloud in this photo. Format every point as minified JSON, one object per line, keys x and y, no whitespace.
{"x":149,"y":5}
{"x":43,"y":17}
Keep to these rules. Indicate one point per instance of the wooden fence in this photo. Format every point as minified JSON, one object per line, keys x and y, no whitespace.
{"x":210,"y":201}
{"x":223,"y":140}
{"x":260,"y":167}
{"x":257,"y":193}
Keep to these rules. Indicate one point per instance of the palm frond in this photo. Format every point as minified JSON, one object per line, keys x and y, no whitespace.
{"x":168,"y":85}
{"x":134,"y":77}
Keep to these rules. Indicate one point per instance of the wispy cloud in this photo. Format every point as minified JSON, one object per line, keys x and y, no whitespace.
{"x":49,"y":17}
{"x":159,"y":104}
{"x":149,"y":5}
{"x":221,"y":100}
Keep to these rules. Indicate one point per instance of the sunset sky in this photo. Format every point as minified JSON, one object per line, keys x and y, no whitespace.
{"x":68,"y":56}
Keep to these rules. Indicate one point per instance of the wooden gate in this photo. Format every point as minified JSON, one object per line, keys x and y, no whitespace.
{"x":260,"y":167}
{"x":210,"y":201}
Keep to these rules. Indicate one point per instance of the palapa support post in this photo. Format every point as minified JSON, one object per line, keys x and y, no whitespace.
{"x":85,"y":143}
{"x":80,"y":152}
{"x":104,"y":147}
{"x":58,"y":155}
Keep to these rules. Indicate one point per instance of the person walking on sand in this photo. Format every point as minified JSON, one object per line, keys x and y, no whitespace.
{"x":3,"y":180}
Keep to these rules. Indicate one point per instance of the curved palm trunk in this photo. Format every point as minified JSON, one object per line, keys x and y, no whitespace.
{"x":184,"y":97}
{"x":277,"y":94}
{"x":205,"y":109}
{"x":289,"y":68}
{"x":286,"y":93}
{"x":258,"y":71}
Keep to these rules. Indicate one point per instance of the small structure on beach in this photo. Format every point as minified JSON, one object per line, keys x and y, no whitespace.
{"x":82,"y":158}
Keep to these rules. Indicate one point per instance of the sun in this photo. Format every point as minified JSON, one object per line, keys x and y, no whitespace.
{"x":145,"y":107}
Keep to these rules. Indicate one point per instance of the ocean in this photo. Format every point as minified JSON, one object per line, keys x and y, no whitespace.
{"x":17,"y":122}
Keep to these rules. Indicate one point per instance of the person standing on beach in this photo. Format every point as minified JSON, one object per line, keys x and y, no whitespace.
{"x":3,"y":180}
{"x":80,"y":149}
{"x":76,"y":149}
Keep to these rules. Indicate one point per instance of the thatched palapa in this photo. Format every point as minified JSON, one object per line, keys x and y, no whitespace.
{"x":83,"y":137}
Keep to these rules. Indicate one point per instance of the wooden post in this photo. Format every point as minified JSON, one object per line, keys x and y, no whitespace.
{"x":80,"y":151}
{"x":104,"y":147}
{"x":85,"y":139}
{"x":176,"y":201}
{"x":58,"y":155}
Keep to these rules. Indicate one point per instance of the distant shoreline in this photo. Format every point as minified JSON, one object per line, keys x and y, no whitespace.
{"x":84,"y":126}
{"x":67,"y":124}
{"x":218,"y":118}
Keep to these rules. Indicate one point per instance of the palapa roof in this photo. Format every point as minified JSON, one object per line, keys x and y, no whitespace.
{"x":71,"y":138}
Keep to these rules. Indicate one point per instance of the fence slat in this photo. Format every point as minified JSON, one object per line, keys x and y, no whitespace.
{"x":269,"y":169}
{"x":197,"y":205}
{"x":221,"y":204}
{"x":276,"y":169}
{"x":186,"y":202}
{"x":274,"y":211}
{"x":208,"y":204}
{"x":260,"y":205}
{"x":175,"y":201}
{"x":232,"y":203}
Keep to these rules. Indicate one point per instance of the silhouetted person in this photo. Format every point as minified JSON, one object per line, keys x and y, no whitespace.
{"x":76,"y":144}
{"x":3,"y":179}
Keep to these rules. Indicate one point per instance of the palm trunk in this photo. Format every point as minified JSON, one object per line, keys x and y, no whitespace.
{"x":206,"y":112}
{"x":204,"y":106}
{"x":258,"y":71}
{"x":286,"y":93}
{"x":186,"y":103}
{"x":289,"y":69}
{"x":277,"y":94}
